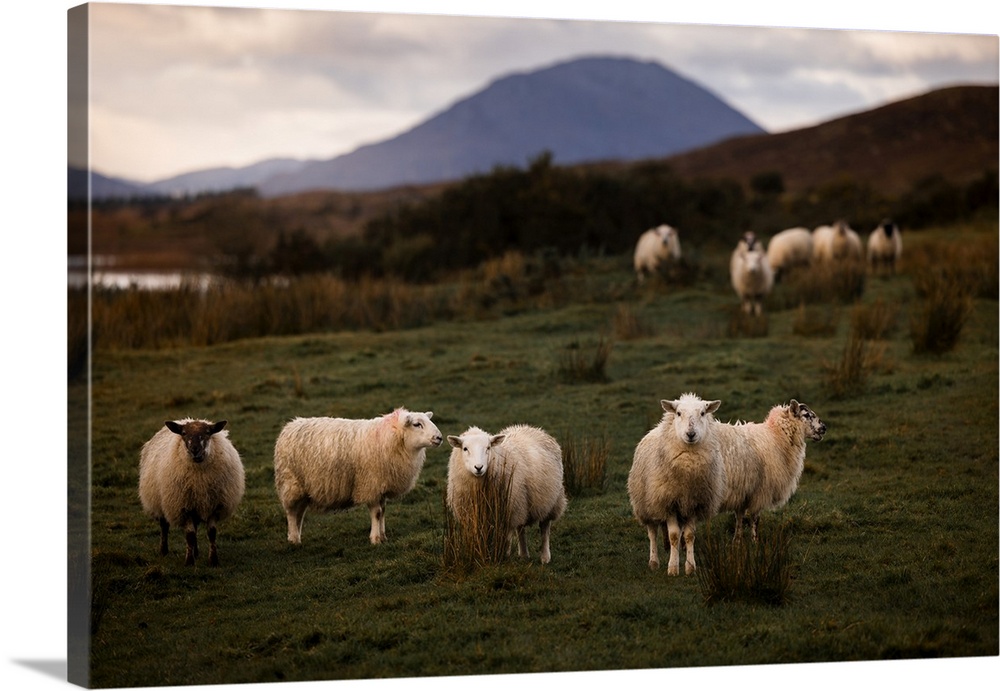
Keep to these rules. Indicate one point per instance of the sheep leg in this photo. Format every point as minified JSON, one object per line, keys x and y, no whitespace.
{"x":213,"y":552}
{"x":522,"y":542}
{"x":191,"y":537}
{"x":753,"y":526}
{"x":377,"y":511}
{"x":654,"y":557}
{"x":674,"y":535}
{"x":689,"y":563}
{"x":544,"y":528}
{"x":738,"y":531}
{"x":164,"y":527}
{"x":295,"y":513}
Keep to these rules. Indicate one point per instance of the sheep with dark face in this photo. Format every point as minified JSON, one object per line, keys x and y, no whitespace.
{"x":189,"y":474}
{"x":677,"y":478}
{"x":885,"y":246}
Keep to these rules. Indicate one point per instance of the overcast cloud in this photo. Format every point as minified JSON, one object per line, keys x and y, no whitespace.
{"x":175,"y":89}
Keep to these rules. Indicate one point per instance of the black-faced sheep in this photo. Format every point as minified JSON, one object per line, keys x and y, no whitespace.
{"x":788,"y":249}
{"x":677,"y":478}
{"x":525,"y":458}
{"x":885,"y":246}
{"x":333,"y":464}
{"x":655,"y":248}
{"x":750,"y":274}
{"x":838,"y":242}
{"x":764,"y":461}
{"x":190,"y":473}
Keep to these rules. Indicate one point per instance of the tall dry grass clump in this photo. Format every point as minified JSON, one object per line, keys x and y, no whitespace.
{"x":578,"y":366}
{"x":743,"y":570}
{"x":824,"y":282}
{"x":481,"y":539}
{"x":816,"y":321}
{"x":744,"y":325}
{"x":627,"y":325}
{"x":585,"y":463}
{"x":849,"y":375}
{"x":874,"y":321}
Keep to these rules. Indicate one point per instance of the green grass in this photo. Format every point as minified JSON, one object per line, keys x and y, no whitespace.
{"x":892,"y":536}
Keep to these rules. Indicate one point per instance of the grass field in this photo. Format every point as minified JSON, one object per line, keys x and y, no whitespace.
{"x":893,"y":532}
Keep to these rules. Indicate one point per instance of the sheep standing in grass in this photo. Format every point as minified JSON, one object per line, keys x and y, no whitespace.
{"x":764,"y":461}
{"x":332,"y":464}
{"x":677,"y":478}
{"x":656,"y":247}
{"x":190,"y":473}
{"x":788,"y":249}
{"x":527,"y":459}
{"x":885,"y":245}
{"x":750,"y":274}
{"x":838,"y":242}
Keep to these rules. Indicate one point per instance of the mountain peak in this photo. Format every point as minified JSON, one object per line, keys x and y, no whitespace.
{"x":588,"y":109}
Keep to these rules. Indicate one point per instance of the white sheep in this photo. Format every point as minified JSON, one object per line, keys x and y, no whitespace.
{"x":677,"y":478}
{"x":333,"y":464}
{"x":750,"y":274}
{"x":527,"y":459}
{"x":655,"y":248}
{"x":885,"y":245}
{"x":190,"y":473}
{"x":764,"y":461}
{"x":788,"y":249}
{"x":838,"y":242}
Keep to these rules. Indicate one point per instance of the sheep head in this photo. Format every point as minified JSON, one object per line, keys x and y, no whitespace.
{"x":420,"y":431}
{"x":691,"y":417}
{"x":816,"y":428}
{"x":475,"y":445}
{"x":196,"y":435}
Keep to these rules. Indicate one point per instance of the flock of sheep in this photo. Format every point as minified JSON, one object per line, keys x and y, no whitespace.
{"x":687,"y":469}
{"x":753,"y":269}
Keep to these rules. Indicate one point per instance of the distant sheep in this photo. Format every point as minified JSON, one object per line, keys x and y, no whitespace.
{"x":656,"y":247}
{"x":190,"y":473}
{"x":333,"y":464}
{"x":764,"y":461}
{"x":788,"y":249}
{"x":677,"y":478}
{"x":750,"y":274}
{"x":885,"y":245}
{"x":838,"y":242}
{"x":527,"y":458}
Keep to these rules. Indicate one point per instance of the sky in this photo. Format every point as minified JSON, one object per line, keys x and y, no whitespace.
{"x":180,"y":88}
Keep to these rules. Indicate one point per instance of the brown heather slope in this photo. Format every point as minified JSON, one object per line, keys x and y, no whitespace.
{"x":951,"y":131}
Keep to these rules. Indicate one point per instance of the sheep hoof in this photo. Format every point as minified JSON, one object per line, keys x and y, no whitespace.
{"x":689,"y":569}
{"x":673,"y":570}
{"x":653,"y":565}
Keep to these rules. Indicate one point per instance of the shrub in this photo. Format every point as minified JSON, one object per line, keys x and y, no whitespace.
{"x":849,"y":376}
{"x":842,"y":282}
{"x":577,"y":367}
{"x":937,"y":323}
{"x":482,"y":539}
{"x":743,"y":570}
{"x":585,"y":463}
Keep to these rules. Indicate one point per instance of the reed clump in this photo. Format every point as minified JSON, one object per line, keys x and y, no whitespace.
{"x":585,"y":463}
{"x":743,"y":570}
{"x":481,"y":538}
{"x":579,"y":366}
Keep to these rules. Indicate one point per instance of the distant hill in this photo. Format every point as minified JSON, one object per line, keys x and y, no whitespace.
{"x":951,"y":131}
{"x":223,"y":179}
{"x":589,"y":109}
{"x":101,"y":186}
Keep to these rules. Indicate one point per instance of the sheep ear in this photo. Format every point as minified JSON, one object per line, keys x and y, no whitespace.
{"x":712,"y":406}
{"x":497,"y":439}
{"x":174,"y":427}
{"x":218,"y":427}
{"x":455,"y":441}
{"x":669,"y":406}
{"x":429,"y":414}
{"x":794,"y":406}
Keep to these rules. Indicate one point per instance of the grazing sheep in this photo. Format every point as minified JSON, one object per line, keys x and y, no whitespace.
{"x":837,"y":243}
{"x":190,"y":473}
{"x":655,"y":248}
{"x":750,"y":274}
{"x":527,"y":458}
{"x":677,"y":477}
{"x":788,"y":249}
{"x":764,"y":461}
{"x":885,"y":245}
{"x":332,"y":464}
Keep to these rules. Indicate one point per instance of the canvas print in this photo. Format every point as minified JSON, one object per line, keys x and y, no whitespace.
{"x":425,"y":346}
